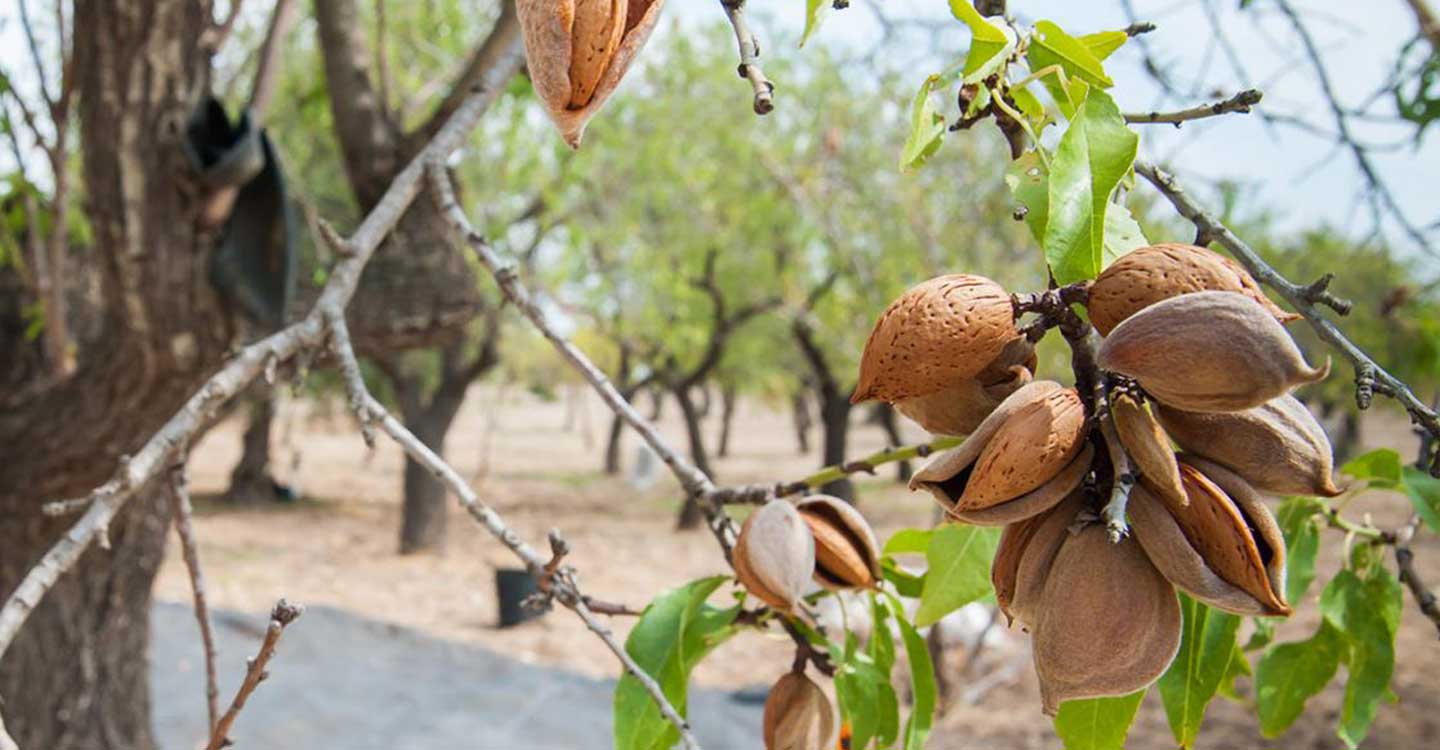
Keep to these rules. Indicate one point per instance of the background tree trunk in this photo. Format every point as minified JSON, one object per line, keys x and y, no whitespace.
{"x":835,"y":420}
{"x":430,"y":416}
{"x":250,"y":480}
{"x":77,"y":675}
{"x":800,"y":413}
{"x":727,"y":419}
{"x":690,"y":514}
{"x":885,"y":415}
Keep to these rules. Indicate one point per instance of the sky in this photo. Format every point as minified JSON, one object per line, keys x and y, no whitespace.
{"x":1300,"y":176}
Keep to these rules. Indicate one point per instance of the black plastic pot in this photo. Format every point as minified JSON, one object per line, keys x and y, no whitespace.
{"x":512,"y":586}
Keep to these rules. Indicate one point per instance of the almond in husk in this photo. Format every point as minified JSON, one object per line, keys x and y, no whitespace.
{"x":1208,"y":352}
{"x":846,"y":554}
{"x":774,"y":555}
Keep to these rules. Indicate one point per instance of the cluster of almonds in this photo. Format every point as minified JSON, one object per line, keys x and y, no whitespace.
{"x":780,"y":550}
{"x":578,"y":50}
{"x":1205,"y":368}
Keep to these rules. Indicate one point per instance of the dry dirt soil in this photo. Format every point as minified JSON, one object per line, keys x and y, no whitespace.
{"x":537,"y":463}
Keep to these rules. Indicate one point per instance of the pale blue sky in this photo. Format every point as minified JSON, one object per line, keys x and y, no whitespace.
{"x":1298,"y":174}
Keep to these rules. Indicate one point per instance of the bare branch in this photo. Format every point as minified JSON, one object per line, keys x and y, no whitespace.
{"x":1379,"y":190}
{"x":1240,"y":103}
{"x":1370,"y":376}
{"x":750,"y":57}
{"x":1405,"y":563}
{"x":180,"y":507}
{"x":35,"y":57}
{"x":553,"y":578}
{"x":505,"y":33}
{"x":691,"y":478}
{"x":759,"y":494}
{"x":281,"y":616}
{"x":271,"y":51}
{"x":215,"y":35}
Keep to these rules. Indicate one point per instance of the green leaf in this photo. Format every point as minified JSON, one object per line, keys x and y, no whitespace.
{"x":914,"y":541}
{"x":1094,"y":155}
{"x":867,"y":699}
{"x":1029,"y":105}
{"x":1381,"y":468}
{"x":1424,"y":493}
{"x":927,"y":127}
{"x":1289,"y":674}
{"x":989,"y":44}
{"x":1239,"y":667}
{"x":1102,"y":43}
{"x":1122,"y":234}
{"x":1029,"y":183}
{"x":1302,"y":544}
{"x":673,"y":634}
{"x":908,"y":584}
{"x":815,"y":13}
{"x":1097,"y":723}
{"x":1367,"y":613}
{"x":1263,"y":635}
{"x":959,"y":558}
{"x":1052,"y":46}
{"x":922,"y":686}
{"x":1207,"y":647}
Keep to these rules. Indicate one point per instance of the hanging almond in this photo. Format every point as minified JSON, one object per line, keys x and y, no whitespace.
{"x":1208,"y":352}
{"x":798,"y":716}
{"x":846,"y":553}
{"x":1223,"y":548}
{"x":1277,"y":447}
{"x":958,"y":409}
{"x":1148,"y":275}
{"x":1109,"y":622}
{"x":1021,"y":460}
{"x":935,"y":335}
{"x":1023,"y":559}
{"x":578,"y":50}
{"x":1148,"y":445}
{"x":774,"y":555}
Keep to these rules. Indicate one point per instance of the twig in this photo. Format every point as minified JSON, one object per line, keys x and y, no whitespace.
{"x":691,"y":478}
{"x":1379,"y":190}
{"x":267,"y":73}
{"x":180,"y":507}
{"x":554,"y":579}
{"x":216,"y":33}
{"x":1122,"y":479}
{"x":281,"y":616}
{"x":759,"y":494}
{"x":749,"y":68}
{"x":1239,"y":103}
{"x":1370,"y":375}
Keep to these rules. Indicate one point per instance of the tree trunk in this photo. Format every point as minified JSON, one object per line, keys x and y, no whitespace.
{"x":612,"y":446}
{"x":657,"y":403}
{"x":885,"y":414}
{"x":690,"y":515}
{"x":77,"y":675}
{"x":835,"y":419}
{"x":423,"y":515}
{"x":727,"y":418}
{"x":250,"y":481}
{"x":800,"y":411}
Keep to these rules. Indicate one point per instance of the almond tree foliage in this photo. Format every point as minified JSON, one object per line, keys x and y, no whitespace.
{"x":826,"y":222}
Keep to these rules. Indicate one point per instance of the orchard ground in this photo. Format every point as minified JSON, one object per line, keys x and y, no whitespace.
{"x":537,"y":463}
